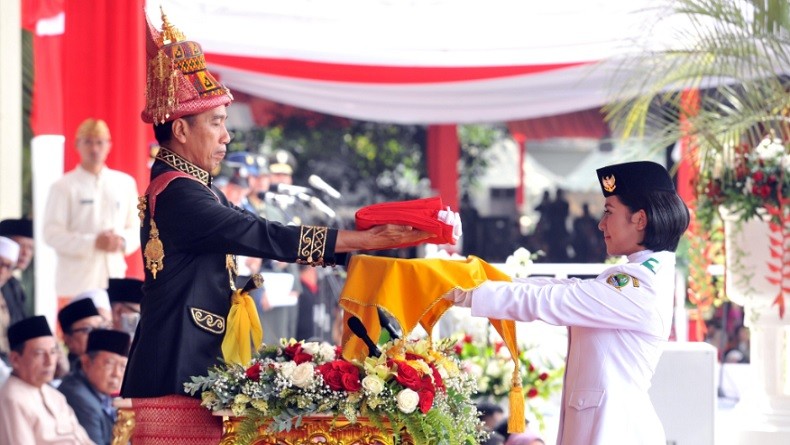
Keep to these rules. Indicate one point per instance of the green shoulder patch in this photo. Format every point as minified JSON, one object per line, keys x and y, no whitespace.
{"x":619,"y":280}
{"x":652,"y":264}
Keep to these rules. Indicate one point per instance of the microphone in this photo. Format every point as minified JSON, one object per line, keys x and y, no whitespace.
{"x":356,"y":326}
{"x":286,"y":189}
{"x":320,"y":184}
{"x":317,"y":203}
{"x":386,"y":323}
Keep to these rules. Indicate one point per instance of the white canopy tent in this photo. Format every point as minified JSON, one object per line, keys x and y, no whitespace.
{"x":419,"y":62}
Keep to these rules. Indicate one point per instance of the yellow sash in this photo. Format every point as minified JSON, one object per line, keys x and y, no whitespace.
{"x":243,"y":329}
{"x":411,"y":291}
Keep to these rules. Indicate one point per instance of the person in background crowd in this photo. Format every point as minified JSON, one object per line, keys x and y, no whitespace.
{"x":125,"y":297}
{"x":89,"y":390}
{"x":738,"y":350}
{"x":617,"y":321}
{"x":91,"y":217}
{"x":9,"y":311}
{"x":20,"y":290}
{"x":31,"y":411}
{"x":191,"y":234}
{"x":588,"y":247}
{"x":77,"y":320}
{"x":491,"y":415}
{"x":101,"y":300}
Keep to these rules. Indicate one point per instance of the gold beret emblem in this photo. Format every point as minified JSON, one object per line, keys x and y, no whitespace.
{"x":608,"y":183}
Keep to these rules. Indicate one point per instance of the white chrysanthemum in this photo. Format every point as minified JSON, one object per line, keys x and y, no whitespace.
{"x":327,"y":352}
{"x":769,"y":149}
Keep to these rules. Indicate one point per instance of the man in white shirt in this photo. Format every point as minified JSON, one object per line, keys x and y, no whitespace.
{"x":91,"y":217}
{"x":31,"y":411}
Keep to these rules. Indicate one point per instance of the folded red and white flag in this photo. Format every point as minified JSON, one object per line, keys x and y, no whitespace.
{"x":427,"y":214}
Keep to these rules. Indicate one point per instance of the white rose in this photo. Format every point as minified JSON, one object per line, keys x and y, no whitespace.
{"x":327,"y":352}
{"x":373,"y":385}
{"x":310,"y":347}
{"x":287,"y":368}
{"x":407,"y":401}
{"x":303,"y":375}
{"x":785,"y":162}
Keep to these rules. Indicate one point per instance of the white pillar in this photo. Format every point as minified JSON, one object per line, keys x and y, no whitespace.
{"x":764,"y":414}
{"x":10,"y":110}
{"x":47,"y":155}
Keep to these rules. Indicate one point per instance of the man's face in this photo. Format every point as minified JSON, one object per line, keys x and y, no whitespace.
{"x":125,"y":316}
{"x":105,"y":371}
{"x":26,"y":249}
{"x":6,"y":267}
{"x":282,"y":178}
{"x":206,"y":138}
{"x":36,"y":364}
{"x":77,"y":340}
{"x":93,"y":151}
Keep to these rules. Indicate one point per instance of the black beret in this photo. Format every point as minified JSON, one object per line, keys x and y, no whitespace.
{"x":24,"y":330}
{"x":129,"y":290}
{"x":109,"y":340}
{"x":16,"y":227}
{"x":634,"y":177}
{"x":76,"y":311}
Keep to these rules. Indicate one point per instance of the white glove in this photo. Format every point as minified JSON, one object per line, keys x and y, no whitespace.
{"x":459,"y":297}
{"x":451,"y":219}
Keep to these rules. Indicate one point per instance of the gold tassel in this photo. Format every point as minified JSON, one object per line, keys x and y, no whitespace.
{"x":516,"y":422}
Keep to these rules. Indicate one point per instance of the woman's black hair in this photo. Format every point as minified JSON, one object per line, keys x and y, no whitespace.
{"x":667,"y":217}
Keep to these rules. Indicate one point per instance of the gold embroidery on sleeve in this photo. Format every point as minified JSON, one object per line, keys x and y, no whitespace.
{"x":312,"y":243}
{"x":207,"y":321}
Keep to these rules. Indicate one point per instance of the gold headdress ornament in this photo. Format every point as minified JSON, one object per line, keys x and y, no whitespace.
{"x":177,"y":81}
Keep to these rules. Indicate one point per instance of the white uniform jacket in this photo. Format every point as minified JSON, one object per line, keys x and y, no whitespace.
{"x":617,"y":323}
{"x":80,"y":206}
{"x":40,"y":416}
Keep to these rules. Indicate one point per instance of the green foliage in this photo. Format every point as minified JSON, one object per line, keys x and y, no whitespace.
{"x":476,"y":157}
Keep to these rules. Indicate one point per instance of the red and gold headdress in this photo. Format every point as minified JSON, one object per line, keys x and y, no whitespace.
{"x":177,"y":81}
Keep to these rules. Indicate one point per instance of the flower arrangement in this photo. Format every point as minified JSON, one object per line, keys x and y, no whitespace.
{"x":416,"y":386}
{"x":748,"y":180}
{"x":492,"y":366}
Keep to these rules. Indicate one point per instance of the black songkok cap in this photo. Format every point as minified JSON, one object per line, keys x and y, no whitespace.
{"x":76,"y":311}
{"x":16,"y":227}
{"x":109,"y":340}
{"x":634,"y":177}
{"x":24,"y":330}
{"x":128,"y":290}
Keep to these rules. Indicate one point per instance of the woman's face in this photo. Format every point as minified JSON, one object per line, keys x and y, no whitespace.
{"x":622,"y":229}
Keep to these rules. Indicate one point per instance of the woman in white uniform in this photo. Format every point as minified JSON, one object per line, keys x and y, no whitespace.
{"x":617,"y":321}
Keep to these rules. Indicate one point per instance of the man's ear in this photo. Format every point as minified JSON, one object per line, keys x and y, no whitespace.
{"x":180,"y":130}
{"x":86,"y":361}
{"x":640,"y":219}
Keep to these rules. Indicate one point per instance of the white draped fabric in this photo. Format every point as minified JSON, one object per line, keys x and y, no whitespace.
{"x":426,"y":61}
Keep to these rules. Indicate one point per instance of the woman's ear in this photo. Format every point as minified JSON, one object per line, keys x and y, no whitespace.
{"x":640,"y":219}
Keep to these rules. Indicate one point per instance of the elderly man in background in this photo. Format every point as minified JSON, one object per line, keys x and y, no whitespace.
{"x":19,"y":288}
{"x":89,"y":390}
{"x":31,"y":411}
{"x":9,"y":252}
{"x":91,"y":217}
{"x":77,"y":320}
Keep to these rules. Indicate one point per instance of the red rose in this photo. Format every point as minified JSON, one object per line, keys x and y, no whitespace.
{"x":408,"y":376}
{"x":413,"y":356}
{"x":426,"y":400}
{"x":254,"y":372}
{"x":437,"y":378}
{"x":543,"y":376}
{"x":332,"y":377}
{"x":532,"y":393}
{"x":297,"y":354}
{"x":531,"y":368}
{"x":758,"y":176}
{"x":458,"y":349}
{"x":351,"y":382}
{"x":468,"y":338}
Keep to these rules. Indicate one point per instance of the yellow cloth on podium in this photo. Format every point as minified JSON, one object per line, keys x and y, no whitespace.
{"x":411,"y":291}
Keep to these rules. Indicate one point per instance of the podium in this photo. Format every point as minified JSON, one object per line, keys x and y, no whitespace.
{"x":317,"y":430}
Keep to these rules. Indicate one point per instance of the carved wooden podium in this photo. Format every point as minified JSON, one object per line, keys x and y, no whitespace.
{"x":318,"y":430}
